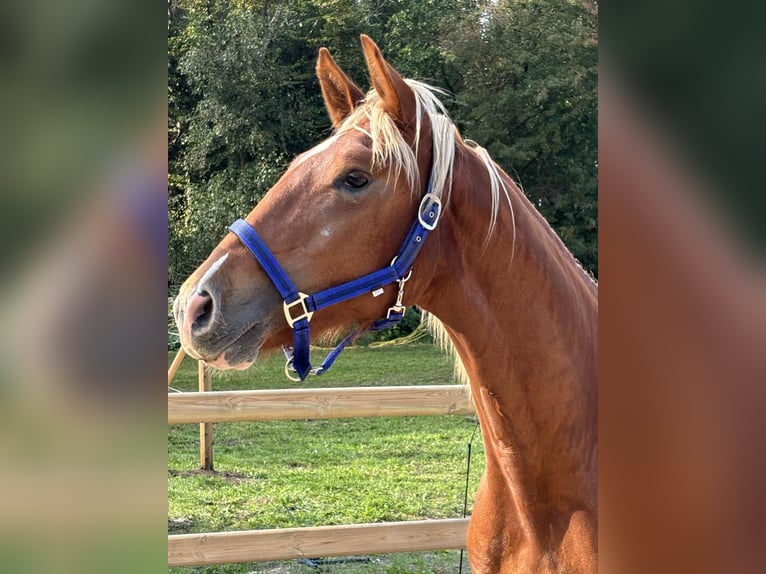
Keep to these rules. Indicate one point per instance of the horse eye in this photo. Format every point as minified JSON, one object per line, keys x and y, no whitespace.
{"x":356,"y":180}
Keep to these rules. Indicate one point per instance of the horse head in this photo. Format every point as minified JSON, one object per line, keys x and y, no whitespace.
{"x":340,"y":211}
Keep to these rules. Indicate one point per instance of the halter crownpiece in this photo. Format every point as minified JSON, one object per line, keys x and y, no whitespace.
{"x":299,"y":306}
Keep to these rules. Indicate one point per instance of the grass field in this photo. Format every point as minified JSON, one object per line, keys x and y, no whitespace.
{"x":308,"y":473}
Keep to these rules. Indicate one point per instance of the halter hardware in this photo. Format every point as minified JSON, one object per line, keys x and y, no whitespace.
{"x":431,"y":205}
{"x":299,"y":307}
{"x":290,"y":367}
{"x":398,"y":309}
{"x":305,"y":313}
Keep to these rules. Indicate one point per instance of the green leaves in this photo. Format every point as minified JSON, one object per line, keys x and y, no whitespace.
{"x":529,"y":96}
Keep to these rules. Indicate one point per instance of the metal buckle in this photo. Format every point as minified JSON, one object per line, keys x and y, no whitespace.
{"x":428,"y":202}
{"x":305,"y":313}
{"x":395,"y":309}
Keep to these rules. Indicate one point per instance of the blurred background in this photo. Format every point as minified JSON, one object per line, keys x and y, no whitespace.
{"x":83,"y":225}
{"x":682,"y":309}
{"x":131,"y":133}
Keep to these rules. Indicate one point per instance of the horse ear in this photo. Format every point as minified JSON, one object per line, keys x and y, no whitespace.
{"x":397,"y":97}
{"x":341,"y":95}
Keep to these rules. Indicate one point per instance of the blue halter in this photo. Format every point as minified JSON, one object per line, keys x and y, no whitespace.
{"x":299,"y":307}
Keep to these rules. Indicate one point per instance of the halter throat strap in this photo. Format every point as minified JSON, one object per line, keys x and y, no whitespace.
{"x":299,"y":307}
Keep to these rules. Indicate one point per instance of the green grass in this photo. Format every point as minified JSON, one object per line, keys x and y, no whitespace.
{"x":307,"y":473}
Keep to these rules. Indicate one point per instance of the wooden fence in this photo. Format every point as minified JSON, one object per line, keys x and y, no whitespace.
{"x":331,"y":403}
{"x":206,"y":407}
{"x":316,"y":541}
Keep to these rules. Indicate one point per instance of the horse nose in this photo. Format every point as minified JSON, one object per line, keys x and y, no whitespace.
{"x":201,"y":313}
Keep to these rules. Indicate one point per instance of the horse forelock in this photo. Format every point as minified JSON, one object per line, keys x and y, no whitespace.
{"x":389,"y":147}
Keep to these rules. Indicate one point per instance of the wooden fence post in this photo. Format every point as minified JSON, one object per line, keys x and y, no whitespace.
{"x":175,"y":364}
{"x":205,"y":429}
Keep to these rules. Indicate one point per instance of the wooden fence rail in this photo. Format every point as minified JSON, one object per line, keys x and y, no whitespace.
{"x":291,"y":404}
{"x":317,"y":541}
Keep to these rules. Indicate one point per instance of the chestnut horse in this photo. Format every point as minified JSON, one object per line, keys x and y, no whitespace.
{"x":492,"y":276}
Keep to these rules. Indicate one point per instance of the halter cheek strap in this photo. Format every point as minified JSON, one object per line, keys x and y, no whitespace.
{"x":299,"y":307}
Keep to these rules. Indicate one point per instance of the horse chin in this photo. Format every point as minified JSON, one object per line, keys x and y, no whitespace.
{"x":222,"y":364}
{"x":235,"y":358}
{"x":239,"y":354}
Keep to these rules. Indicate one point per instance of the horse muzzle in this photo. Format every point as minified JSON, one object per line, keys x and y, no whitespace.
{"x":206,"y":335}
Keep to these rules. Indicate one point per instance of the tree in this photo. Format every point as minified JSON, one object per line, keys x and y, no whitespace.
{"x":250,"y":75}
{"x":529,"y":95}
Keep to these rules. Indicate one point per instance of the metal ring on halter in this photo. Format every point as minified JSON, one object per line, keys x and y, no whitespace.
{"x":403,"y":279}
{"x":290,"y":369}
{"x":429,"y":200}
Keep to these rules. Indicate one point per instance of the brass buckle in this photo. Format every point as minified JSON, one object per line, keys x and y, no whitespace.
{"x":304,"y":312}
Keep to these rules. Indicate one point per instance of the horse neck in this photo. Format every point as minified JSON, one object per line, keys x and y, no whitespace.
{"x":525,"y":330}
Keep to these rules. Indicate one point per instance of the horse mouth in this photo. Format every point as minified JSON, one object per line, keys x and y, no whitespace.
{"x":239,"y":353}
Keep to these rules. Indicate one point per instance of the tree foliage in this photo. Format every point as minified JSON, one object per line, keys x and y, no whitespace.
{"x":243,"y":99}
{"x":529,"y":95}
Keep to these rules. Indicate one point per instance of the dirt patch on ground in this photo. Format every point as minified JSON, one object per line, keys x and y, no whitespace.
{"x":232,"y":476}
{"x":180,"y":525}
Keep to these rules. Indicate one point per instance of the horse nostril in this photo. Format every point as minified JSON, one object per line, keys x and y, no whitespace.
{"x":200,"y":311}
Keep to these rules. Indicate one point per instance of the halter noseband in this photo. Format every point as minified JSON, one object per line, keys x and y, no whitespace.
{"x":299,"y":307}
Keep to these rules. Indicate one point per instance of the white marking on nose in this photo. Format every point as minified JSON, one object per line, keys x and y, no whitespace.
{"x":210,"y":272}
{"x":325,"y":232}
